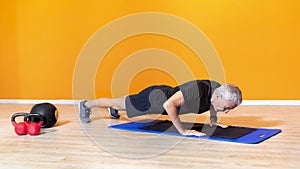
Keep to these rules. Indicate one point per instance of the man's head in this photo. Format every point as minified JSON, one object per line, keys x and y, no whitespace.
{"x":226,"y":97}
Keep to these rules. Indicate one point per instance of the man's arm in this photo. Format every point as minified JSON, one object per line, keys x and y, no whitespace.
{"x":170,"y":106}
{"x":214,"y":118}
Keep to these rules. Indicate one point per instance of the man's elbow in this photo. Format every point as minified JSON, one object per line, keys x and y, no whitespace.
{"x":168,"y":108}
{"x":168,"y":105}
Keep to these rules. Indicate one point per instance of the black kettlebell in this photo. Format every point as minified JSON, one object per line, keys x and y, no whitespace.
{"x":47,"y":111}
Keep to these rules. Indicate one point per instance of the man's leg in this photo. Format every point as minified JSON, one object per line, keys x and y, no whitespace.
{"x":113,"y":105}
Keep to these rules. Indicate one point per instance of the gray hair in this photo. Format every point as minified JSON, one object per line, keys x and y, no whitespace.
{"x":230,"y":92}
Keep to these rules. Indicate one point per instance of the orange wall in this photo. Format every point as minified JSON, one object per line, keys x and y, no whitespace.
{"x":257,"y":41}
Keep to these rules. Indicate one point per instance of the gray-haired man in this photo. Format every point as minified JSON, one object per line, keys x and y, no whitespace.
{"x":197,"y":96}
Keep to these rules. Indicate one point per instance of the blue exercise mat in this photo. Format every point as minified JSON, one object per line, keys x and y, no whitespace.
{"x":231,"y":134}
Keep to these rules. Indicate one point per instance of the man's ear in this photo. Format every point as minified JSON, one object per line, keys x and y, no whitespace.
{"x":219,"y":96}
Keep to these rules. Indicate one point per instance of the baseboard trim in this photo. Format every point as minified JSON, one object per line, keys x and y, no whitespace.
{"x":271,"y":102}
{"x":10,"y":101}
{"x":244,"y":103}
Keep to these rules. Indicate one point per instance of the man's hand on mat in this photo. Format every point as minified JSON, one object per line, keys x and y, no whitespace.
{"x":192,"y":133}
{"x":218,"y":124}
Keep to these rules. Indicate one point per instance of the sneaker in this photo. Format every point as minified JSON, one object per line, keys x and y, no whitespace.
{"x":84,"y":112}
{"x":113,"y":113}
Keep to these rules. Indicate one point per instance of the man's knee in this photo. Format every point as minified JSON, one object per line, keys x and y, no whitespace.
{"x":119,"y":103}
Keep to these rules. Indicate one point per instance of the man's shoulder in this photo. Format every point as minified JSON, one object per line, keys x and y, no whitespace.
{"x":205,"y":84}
{"x":210,"y":83}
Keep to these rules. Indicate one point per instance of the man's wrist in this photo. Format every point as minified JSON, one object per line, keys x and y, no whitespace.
{"x":213,"y":118}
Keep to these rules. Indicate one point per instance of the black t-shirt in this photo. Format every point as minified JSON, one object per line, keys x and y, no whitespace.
{"x":196,"y":94}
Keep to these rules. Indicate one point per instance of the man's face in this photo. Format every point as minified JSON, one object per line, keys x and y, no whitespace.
{"x":220,"y":105}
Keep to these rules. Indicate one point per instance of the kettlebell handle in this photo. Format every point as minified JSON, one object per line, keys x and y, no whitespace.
{"x":14,"y":116}
{"x":27,"y":118}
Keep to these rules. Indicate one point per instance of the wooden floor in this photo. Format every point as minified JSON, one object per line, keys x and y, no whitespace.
{"x":72,"y":145}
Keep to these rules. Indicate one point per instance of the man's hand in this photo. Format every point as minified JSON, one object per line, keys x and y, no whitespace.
{"x":218,"y":124}
{"x":192,"y":133}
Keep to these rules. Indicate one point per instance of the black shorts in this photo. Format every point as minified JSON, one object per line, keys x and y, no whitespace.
{"x":148,"y":101}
